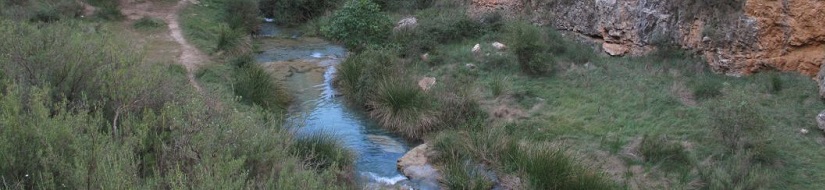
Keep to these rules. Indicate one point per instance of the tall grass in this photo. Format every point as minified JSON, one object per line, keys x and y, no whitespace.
{"x":400,"y":105}
{"x":323,"y":151}
{"x":256,"y":86}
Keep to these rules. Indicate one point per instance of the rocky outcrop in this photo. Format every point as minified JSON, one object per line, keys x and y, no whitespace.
{"x":736,"y":37}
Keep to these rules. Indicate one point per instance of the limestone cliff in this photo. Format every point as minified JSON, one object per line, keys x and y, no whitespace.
{"x":735,"y":36}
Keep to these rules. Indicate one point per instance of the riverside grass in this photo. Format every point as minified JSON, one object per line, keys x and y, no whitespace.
{"x":602,"y":106}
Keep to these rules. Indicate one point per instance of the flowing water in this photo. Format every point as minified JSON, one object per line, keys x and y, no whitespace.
{"x":307,"y":67}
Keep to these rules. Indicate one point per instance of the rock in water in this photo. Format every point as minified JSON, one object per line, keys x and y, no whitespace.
{"x":615,"y":49}
{"x":415,"y":165}
{"x":386,"y":143}
{"x":426,"y":83}
{"x":499,"y":46}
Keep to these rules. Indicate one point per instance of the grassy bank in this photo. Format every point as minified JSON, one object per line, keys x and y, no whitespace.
{"x":81,"y":109}
{"x":658,"y":121}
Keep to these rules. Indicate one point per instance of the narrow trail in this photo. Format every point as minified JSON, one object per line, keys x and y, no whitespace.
{"x":190,"y":57}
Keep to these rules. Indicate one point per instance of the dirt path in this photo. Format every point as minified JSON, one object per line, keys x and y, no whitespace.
{"x":189,"y":56}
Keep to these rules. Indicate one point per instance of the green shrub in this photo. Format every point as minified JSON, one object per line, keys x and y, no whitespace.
{"x":660,"y":150}
{"x":741,"y":128}
{"x":296,"y":11}
{"x":400,"y":105}
{"x":449,"y":25}
{"x":358,"y":24}
{"x":361,"y":71}
{"x":256,"y":86}
{"x":322,"y":151}
{"x":707,"y":88}
{"x":404,"y":6}
{"x":51,"y":10}
{"x":149,"y":23}
{"x":528,"y":44}
{"x":242,"y":15}
{"x":461,"y":175}
{"x":546,"y":168}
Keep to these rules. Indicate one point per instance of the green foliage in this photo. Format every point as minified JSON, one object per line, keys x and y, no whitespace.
{"x":529,"y":47}
{"x":361,"y":71}
{"x":296,"y":11}
{"x":462,"y":176}
{"x":449,"y":25}
{"x":255,"y":86}
{"x":40,"y":10}
{"x":403,"y":6}
{"x":243,"y":15}
{"x":147,"y":23}
{"x":661,"y":150}
{"x":706,"y":89}
{"x":358,"y":24}
{"x":323,"y":151}
{"x":551,"y":169}
{"x":400,"y":105}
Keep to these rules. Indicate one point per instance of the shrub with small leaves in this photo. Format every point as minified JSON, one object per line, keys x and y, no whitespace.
{"x":358,"y":23}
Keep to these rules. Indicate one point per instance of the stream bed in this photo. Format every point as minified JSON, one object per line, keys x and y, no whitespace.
{"x":307,"y":67}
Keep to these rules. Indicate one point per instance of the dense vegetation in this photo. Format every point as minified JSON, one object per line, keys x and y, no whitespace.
{"x":80,"y":109}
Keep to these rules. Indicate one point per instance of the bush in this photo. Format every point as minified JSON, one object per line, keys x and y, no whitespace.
{"x":449,"y":25}
{"x":296,"y":11}
{"x":400,"y":105}
{"x":242,"y":15}
{"x":363,"y":70}
{"x":528,"y":44}
{"x":404,"y":6}
{"x":358,"y":24}
{"x":659,"y":149}
{"x":546,"y":168}
{"x":149,"y":23}
{"x":707,"y":88}
{"x":322,"y":151}
{"x":256,"y":86}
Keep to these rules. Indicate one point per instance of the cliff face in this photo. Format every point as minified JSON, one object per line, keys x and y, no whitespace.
{"x":735,"y":36}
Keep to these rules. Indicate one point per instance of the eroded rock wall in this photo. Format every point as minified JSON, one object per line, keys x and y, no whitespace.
{"x":735,"y":36}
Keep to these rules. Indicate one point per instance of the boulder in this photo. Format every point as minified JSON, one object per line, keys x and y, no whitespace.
{"x":408,"y":23}
{"x":615,"y":49}
{"x":476,"y":49}
{"x":426,"y":83}
{"x":416,"y":166}
{"x":499,"y":46}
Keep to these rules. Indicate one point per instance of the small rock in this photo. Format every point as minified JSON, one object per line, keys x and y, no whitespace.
{"x":803,"y":131}
{"x":470,"y":66}
{"x":706,"y":39}
{"x":615,"y":49}
{"x":426,"y":83}
{"x":820,"y":120}
{"x":476,"y":49}
{"x":425,"y":57}
{"x":406,"y":24}
{"x":499,"y":46}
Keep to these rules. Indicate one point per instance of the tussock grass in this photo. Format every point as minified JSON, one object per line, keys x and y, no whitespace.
{"x":256,"y":86}
{"x":322,"y":151}
{"x":147,"y":23}
{"x":660,"y":149}
{"x":400,"y":105}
